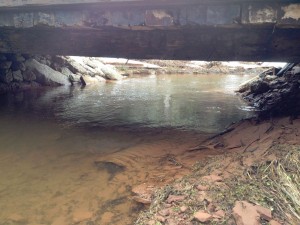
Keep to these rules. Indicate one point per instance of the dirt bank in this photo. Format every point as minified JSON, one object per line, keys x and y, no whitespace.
{"x":253,"y":180}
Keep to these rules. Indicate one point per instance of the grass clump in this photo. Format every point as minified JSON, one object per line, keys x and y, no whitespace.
{"x":280,"y":180}
{"x":274,"y":184}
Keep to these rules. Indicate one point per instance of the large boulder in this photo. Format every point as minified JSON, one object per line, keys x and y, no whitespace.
{"x":46,"y":75}
{"x":29,"y":75}
{"x":111,"y":73}
{"x":88,"y":80}
{"x":18,"y":66}
{"x":92,"y":67}
{"x":5,"y":65}
{"x":78,"y":65}
{"x":296,"y":70}
{"x":246,"y":85}
{"x":6,"y":76}
{"x":65,"y":71}
{"x":17,"y":75}
{"x":72,"y":77}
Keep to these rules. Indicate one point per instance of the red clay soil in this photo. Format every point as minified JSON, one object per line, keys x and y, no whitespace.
{"x":200,"y":197}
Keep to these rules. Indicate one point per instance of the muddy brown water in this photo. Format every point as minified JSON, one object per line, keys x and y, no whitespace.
{"x":72,"y":155}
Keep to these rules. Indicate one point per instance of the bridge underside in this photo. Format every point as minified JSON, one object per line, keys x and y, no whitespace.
{"x":198,"y":31}
{"x":247,"y":44}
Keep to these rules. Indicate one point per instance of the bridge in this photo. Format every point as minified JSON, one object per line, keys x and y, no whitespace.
{"x":248,"y":30}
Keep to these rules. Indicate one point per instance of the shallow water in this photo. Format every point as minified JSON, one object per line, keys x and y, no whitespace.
{"x":204,"y":103}
{"x":72,"y":155}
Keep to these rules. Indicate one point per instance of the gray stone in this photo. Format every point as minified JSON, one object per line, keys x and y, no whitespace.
{"x":68,"y":73}
{"x":19,"y":58}
{"x":65,"y":71}
{"x":88,"y":80}
{"x":44,"y":61}
{"x":92,"y":67}
{"x":29,"y":75}
{"x":98,"y":68}
{"x":246,"y":85}
{"x":296,"y":70}
{"x":55,"y":66}
{"x":5,"y":64}
{"x":37,"y":57}
{"x":75,"y":78}
{"x":6,"y":76}
{"x":46,"y":75}
{"x":48,"y":57}
{"x":111,"y":73}
{"x":17,"y":75}
{"x":18,"y":66}
{"x":48,"y":62}
{"x":76,"y":66}
{"x":93,"y":64}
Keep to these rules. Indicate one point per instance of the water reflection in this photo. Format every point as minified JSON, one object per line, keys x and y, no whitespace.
{"x":204,"y":103}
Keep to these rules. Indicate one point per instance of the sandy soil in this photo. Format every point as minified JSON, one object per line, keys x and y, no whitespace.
{"x":239,"y":171}
{"x":58,"y":175}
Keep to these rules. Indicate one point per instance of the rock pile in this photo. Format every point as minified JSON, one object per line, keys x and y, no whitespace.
{"x":22,"y":71}
{"x":274,"y":95}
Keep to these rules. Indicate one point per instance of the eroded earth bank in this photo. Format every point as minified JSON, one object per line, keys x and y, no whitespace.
{"x":254,"y":179}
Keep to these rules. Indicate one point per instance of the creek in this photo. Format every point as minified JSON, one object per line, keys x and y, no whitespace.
{"x":71,"y":155}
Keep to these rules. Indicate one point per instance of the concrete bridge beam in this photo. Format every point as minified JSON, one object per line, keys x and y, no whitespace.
{"x":199,"y":30}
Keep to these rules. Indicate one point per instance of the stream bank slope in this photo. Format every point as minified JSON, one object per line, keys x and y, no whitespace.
{"x":253,"y":180}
